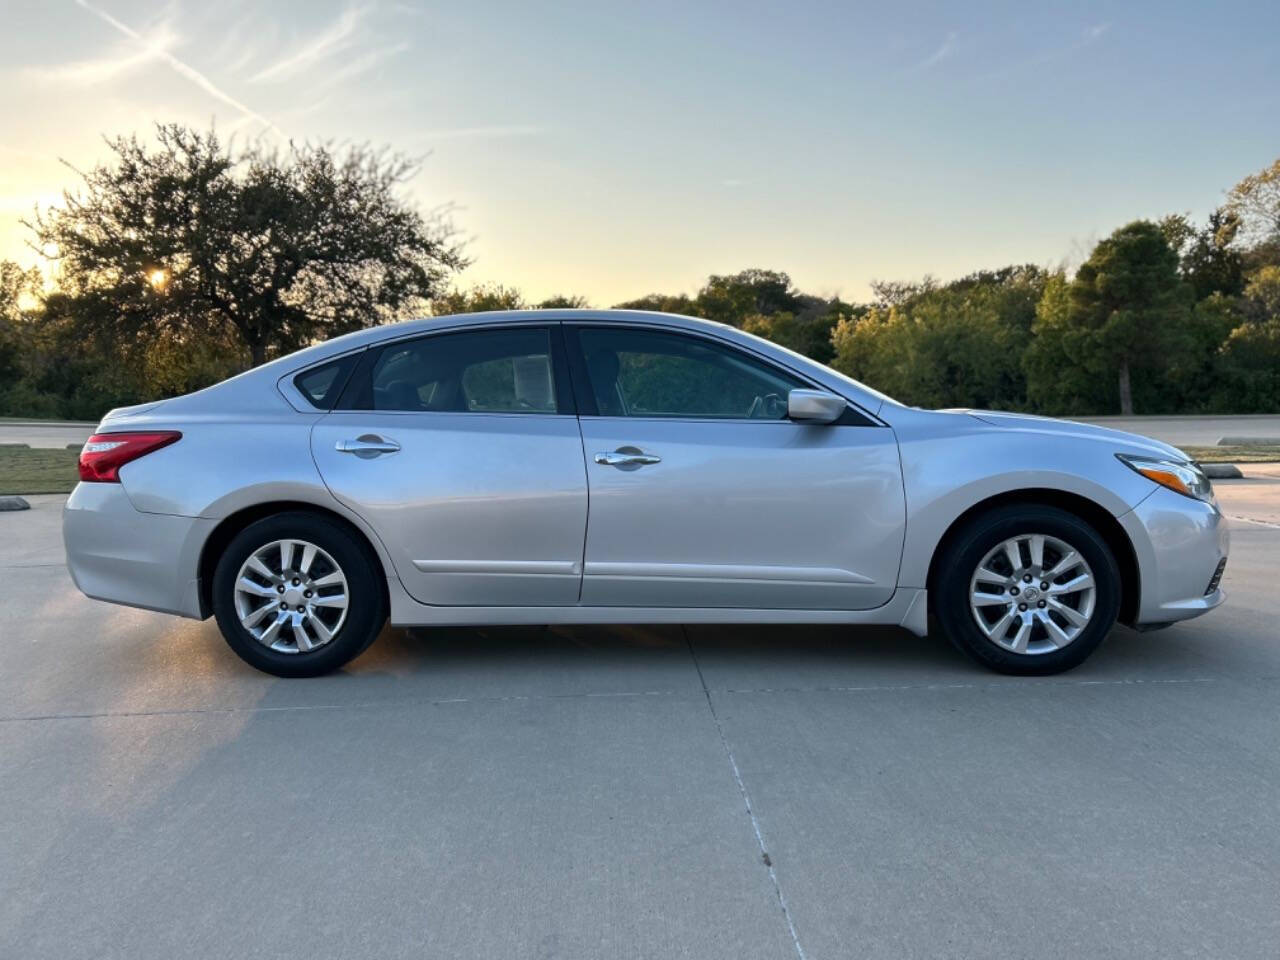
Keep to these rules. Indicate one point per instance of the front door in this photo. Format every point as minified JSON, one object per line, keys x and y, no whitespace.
{"x":703,"y":493}
{"x":463,"y":453}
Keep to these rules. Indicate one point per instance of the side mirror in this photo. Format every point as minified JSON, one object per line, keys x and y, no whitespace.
{"x":815,"y":406}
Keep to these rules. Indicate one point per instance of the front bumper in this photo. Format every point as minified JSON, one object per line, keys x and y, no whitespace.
{"x":120,"y":554}
{"x":1179,"y":543}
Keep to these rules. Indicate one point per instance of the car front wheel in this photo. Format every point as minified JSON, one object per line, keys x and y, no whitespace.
{"x":296,"y":595}
{"x":1027,"y":590}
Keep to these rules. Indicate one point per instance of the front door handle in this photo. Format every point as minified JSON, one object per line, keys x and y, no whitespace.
{"x":367,"y":445}
{"x":626,"y":457}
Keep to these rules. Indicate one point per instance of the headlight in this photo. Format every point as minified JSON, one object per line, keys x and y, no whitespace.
{"x":1179,"y":476}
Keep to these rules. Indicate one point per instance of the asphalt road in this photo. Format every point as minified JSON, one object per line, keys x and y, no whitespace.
{"x":1196,"y":431}
{"x":594,"y":793}
{"x":53,"y":434}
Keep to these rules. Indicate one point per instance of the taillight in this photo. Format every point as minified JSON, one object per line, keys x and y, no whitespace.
{"x":105,"y":453}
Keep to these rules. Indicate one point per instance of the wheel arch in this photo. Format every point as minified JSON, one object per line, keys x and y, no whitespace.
{"x":1094,"y":514}
{"x":233,"y":523}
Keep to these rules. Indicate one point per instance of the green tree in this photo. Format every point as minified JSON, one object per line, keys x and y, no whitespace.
{"x":958,"y":344}
{"x":282,"y":249}
{"x":867,"y":349}
{"x":16,"y":286}
{"x":479,"y":299}
{"x":1255,"y":201}
{"x":1210,"y":262}
{"x":561,"y":302}
{"x":1249,"y":362}
{"x":731,"y":298}
{"x":895,"y":293}
{"x":1128,"y":309}
{"x":808,"y":331}
{"x":663,"y":303}
{"x":1057,"y":381}
{"x":1178,"y":231}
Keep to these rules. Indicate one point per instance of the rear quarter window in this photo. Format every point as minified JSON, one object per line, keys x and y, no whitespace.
{"x":321,"y":385}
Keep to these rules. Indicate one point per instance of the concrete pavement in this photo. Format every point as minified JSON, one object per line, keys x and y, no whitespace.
{"x":616,"y":792}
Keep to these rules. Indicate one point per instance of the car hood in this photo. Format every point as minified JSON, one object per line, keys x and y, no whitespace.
{"x":1071,"y":428}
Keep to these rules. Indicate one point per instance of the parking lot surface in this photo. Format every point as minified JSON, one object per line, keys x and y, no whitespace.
{"x":706,"y":792}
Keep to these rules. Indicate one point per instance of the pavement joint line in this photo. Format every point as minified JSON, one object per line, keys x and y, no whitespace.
{"x":1261,"y":523}
{"x":746,"y":800}
{"x":355,"y":705}
{"x":1019,"y":684}
{"x":532,"y":698}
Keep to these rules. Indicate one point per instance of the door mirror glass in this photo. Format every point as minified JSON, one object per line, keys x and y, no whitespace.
{"x":815,"y":406}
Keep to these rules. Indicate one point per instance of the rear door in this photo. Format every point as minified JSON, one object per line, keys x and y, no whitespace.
{"x":462,"y":450}
{"x":704,"y":494}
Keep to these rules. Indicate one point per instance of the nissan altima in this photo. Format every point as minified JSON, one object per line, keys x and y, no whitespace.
{"x":619,"y":467}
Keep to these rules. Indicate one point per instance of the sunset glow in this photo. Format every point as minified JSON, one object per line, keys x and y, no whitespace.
{"x":839,"y":142}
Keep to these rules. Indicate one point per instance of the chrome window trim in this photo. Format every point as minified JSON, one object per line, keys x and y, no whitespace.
{"x":299,"y":403}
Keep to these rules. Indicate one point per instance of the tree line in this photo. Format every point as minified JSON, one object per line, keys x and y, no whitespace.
{"x":180,"y":262}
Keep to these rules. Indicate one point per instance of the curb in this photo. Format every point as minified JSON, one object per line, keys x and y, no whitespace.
{"x":13,"y":503}
{"x":1221,"y":471}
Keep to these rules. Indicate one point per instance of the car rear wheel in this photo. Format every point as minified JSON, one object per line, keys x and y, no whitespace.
{"x":1027,"y":589}
{"x":297,"y":595}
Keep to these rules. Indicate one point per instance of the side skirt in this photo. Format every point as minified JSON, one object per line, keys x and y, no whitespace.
{"x":907,"y":608}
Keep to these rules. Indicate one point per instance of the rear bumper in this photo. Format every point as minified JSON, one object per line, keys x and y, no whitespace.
{"x":119,"y":554}
{"x":1179,"y":543}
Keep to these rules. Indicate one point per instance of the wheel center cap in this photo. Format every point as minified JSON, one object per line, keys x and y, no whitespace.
{"x":1031,"y":593}
{"x":293,"y":596}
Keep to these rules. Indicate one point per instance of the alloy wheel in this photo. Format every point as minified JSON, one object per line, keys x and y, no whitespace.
{"x":1032,"y":594}
{"x":291,"y":596}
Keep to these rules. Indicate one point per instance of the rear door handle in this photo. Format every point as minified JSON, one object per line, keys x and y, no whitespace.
{"x":367,"y":445}
{"x":627,"y":457}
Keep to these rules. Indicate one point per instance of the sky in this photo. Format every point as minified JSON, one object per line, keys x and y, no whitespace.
{"x":611,"y":148}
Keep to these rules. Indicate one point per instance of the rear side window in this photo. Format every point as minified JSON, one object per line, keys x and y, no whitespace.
{"x":321,"y":385}
{"x":481,"y":371}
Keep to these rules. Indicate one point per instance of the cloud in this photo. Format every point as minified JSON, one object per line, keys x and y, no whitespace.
{"x":506,"y":130}
{"x":242,"y":42}
{"x":367,"y":62}
{"x":945,"y":50}
{"x":336,"y":37}
{"x":1088,"y":37}
{"x":102,"y":69}
{"x":155,"y":51}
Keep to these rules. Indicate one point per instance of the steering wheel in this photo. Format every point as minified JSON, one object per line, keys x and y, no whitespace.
{"x":771,"y":406}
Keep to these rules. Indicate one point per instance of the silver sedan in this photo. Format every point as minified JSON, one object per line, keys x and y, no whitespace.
{"x":621,"y":467}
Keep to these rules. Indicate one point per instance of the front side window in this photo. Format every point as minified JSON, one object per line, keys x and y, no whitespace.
{"x":648,"y":373}
{"x":481,"y":371}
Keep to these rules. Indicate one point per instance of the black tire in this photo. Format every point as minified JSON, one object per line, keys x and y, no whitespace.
{"x":984,"y":533}
{"x":366,"y":604}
